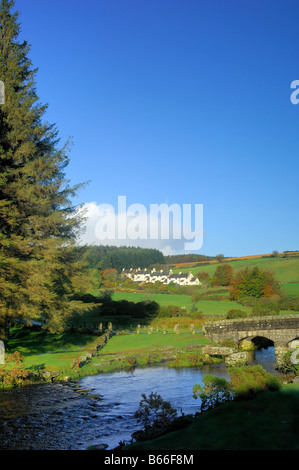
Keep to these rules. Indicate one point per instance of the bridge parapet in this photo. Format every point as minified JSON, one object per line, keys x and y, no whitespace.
{"x":281,"y":329}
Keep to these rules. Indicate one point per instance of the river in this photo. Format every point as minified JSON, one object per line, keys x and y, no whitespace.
{"x":59,"y":417}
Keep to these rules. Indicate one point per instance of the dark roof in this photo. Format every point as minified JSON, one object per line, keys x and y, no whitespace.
{"x":178,"y":276}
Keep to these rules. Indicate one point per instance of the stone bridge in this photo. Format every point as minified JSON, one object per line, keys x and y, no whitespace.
{"x":282,"y":330}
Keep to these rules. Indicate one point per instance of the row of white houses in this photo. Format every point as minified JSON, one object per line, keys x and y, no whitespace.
{"x":166,"y":277}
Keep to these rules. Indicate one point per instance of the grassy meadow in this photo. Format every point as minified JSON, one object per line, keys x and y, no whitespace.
{"x":45,"y":351}
{"x":143,"y":342}
{"x":285,"y":270}
{"x":207,"y":307}
{"x":58,"y":352}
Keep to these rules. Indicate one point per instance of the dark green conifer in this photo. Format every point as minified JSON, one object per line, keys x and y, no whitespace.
{"x":39,"y":269}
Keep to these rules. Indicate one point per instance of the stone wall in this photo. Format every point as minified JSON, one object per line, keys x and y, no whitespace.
{"x":93,"y":349}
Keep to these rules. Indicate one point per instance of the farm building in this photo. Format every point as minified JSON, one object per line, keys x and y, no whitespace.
{"x":166,"y":277}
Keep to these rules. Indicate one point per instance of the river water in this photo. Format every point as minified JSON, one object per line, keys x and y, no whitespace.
{"x":59,"y":417}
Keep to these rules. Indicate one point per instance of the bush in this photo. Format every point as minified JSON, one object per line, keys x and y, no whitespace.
{"x":234,"y":313}
{"x":196,"y":297}
{"x":169,"y":311}
{"x":248,"y":301}
{"x":264,"y":308}
{"x":154,"y":411}
{"x":248,"y":381}
{"x":216,"y":390}
{"x":14,"y":372}
{"x":288,"y":303}
{"x":198,"y":315}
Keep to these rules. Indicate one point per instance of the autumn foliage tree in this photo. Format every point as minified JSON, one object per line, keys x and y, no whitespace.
{"x":223,"y":275}
{"x":108,"y":276}
{"x":253,"y":283}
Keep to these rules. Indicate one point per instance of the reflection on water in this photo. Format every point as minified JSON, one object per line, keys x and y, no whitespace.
{"x":54,"y":417}
{"x":266,"y":358}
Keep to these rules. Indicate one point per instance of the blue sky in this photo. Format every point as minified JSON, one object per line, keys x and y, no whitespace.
{"x":177,"y":102}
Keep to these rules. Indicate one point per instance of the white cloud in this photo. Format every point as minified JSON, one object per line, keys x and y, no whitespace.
{"x":133,"y":227}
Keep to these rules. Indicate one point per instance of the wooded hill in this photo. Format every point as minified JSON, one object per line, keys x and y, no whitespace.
{"x":104,"y":257}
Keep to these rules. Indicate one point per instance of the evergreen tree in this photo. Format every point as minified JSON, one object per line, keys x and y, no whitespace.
{"x":39,"y":270}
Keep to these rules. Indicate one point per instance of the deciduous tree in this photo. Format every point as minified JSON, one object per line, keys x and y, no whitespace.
{"x":253,"y":283}
{"x":223,"y":275}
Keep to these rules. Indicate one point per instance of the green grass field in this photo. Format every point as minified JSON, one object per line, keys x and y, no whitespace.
{"x":141,"y":342}
{"x":207,"y":307}
{"x":285,"y":270}
{"x":42,"y":350}
{"x":161,"y":299}
{"x":59,"y":352}
{"x":291,"y":289}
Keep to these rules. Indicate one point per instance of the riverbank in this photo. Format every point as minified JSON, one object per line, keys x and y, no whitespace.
{"x":269,"y":421}
{"x":73,"y":355}
{"x":99,"y":411}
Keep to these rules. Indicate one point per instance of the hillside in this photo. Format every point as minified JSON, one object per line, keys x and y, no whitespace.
{"x":284,"y":269}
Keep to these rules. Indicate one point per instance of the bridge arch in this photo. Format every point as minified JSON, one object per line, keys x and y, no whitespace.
{"x":256,"y":342}
{"x":283,"y":330}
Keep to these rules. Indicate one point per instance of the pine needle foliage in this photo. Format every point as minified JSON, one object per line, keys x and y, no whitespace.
{"x":39,"y":270}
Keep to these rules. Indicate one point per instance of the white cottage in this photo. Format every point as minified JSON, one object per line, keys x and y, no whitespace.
{"x":166,"y":277}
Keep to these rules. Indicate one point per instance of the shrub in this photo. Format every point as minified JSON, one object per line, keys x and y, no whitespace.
{"x":288,"y":303}
{"x":235,"y":313}
{"x":169,"y":311}
{"x":202,"y":276}
{"x":264,"y":308}
{"x":248,"y":381}
{"x":154,"y":411}
{"x":214,"y":392}
{"x":193,"y":308}
{"x":14,"y":372}
{"x":198,"y":315}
